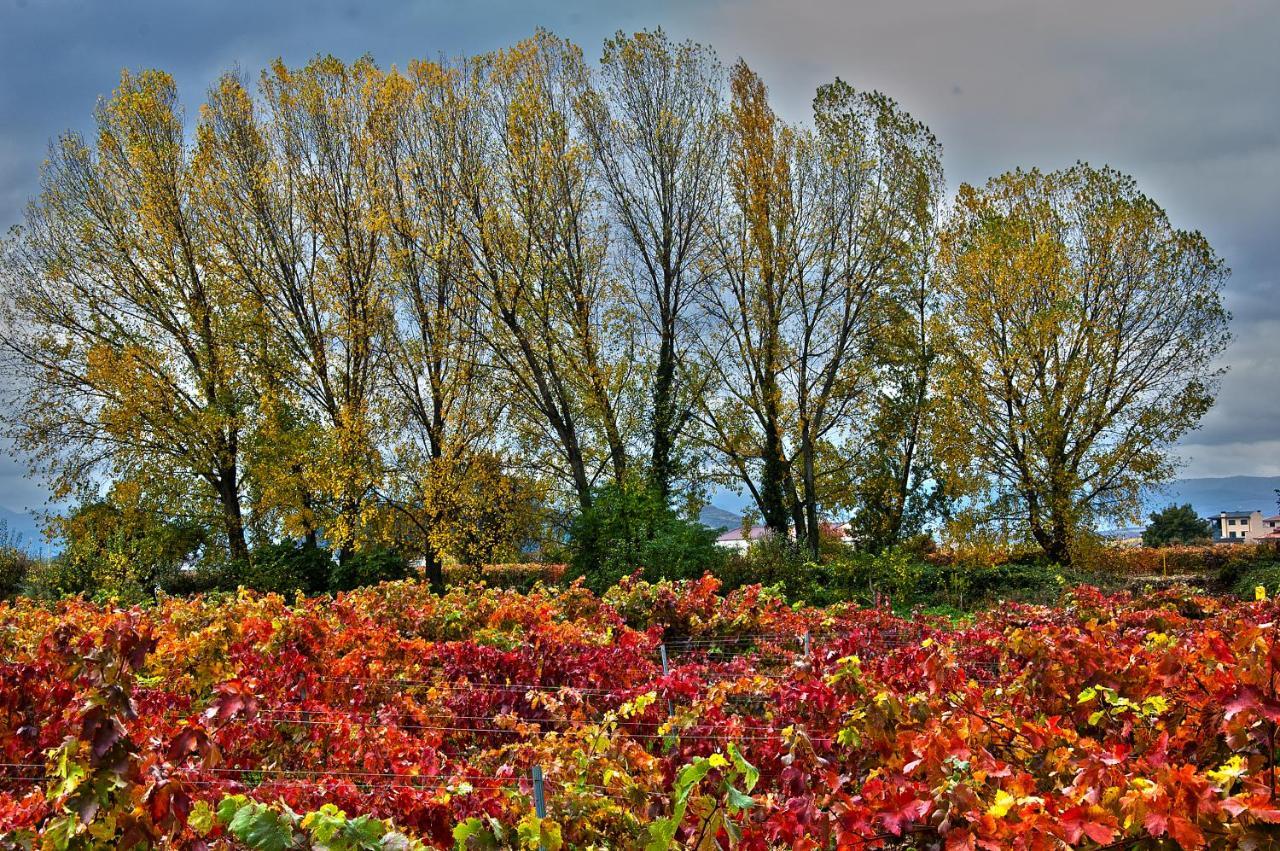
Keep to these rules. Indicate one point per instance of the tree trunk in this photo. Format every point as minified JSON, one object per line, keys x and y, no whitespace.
{"x":228,"y":487}
{"x":811,"y":503}
{"x":1059,"y":549}
{"x":797,"y":507}
{"x":578,"y":468}
{"x":433,"y":568}
{"x":660,"y":472}
{"x":773,"y":501}
{"x":1051,"y":533}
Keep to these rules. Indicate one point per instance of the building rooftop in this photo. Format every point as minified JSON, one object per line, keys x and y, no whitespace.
{"x":757,"y":532}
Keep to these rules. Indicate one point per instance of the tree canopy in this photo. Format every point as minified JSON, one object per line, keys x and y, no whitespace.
{"x":445,"y":308}
{"x":1176,"y":524}
{"x":1082,"y":335}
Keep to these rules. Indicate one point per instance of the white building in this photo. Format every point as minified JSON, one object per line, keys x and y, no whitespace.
{"x":1239,"y":526}
{"x":735,"y":540}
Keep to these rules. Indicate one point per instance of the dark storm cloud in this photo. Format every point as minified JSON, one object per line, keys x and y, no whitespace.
{"x":1181,"y":94}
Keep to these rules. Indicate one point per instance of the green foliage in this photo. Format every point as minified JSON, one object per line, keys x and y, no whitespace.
{"x":719,"y":808}
{"x":286,"y":567}
{"x":55,"y":578}
{"x":1243,"y":578}
{"x":203,"y":577}
{"x":780,"y":564}
{"x":368,"y":567}
{"x":257,"y":825}
{"x":114,"y":549}
{"x":477,"y":834}
{"x":265,"y":828}
{"x":15,"y":563}
{"x":1176,"y":524}
{"x":630,"y":527}
{"x":905,"y":578}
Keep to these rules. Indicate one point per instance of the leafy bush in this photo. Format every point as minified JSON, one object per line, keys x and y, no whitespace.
{"x":14,"y":566}
{"x":1243,"y":578}
{"x":1176,"y":524}
{"x":902,"y":577}
{"x":630,"y":527}
{"x":201,"y":578}
{"x":368,"y":567}
{"x":55,"y":578}
{"x":780,"y":564}
{"x":286,"y":567}
{"x":116,"y":550}
{"x":15,"y":563}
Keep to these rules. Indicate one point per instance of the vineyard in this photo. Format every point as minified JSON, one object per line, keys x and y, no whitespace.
{"x":661,"y":715}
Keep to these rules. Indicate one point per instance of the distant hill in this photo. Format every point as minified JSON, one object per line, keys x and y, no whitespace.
{"x":719,"y":519}
{"x":1230,"y":493}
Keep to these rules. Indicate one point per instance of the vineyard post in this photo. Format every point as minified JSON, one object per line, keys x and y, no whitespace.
{"x":666,"y":672}
{"x":1271,"y":693}
{"x":806,"y":645}
{"x":539,"y":798}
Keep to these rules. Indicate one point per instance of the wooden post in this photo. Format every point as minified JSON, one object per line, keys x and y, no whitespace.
{"x":666,"y":672}
{"x":539,"y":799}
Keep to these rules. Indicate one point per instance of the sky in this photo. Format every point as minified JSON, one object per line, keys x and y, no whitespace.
{"x":1182,"y":94}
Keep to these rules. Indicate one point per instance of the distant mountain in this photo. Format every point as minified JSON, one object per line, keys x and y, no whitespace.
{"x":26,"y":528}
{"x":1229,"y":493}
{"x":719,"y":519}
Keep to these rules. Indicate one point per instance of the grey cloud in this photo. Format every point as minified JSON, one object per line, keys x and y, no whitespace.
{"x":1179,"y":93}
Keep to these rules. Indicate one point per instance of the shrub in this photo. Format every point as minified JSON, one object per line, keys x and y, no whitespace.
{"x":119,"y":550}
{"x":13,"y":572}
{"x":630,"y":527}
{"x":54,"y":578}
{"x":15,"y":563}
{"x":201,"y":578}
{"x":781,"y":565}
{"x":286,"y":567}
{"x":368,"y":567}
{"x":1245,"y":582}
{"x":906,"y":577}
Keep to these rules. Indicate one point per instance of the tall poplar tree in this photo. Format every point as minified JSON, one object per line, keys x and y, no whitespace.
{"x":126,"y":334}
{"x":656,"y":130}
{"x":300,"y":224}
{"x":1082,"y":335}
{"x":556,"y":325}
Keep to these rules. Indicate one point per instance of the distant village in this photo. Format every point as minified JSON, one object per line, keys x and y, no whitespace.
{"x":1229,"y":527}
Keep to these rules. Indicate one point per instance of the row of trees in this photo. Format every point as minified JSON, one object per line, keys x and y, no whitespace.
{"x":361,"y":305}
